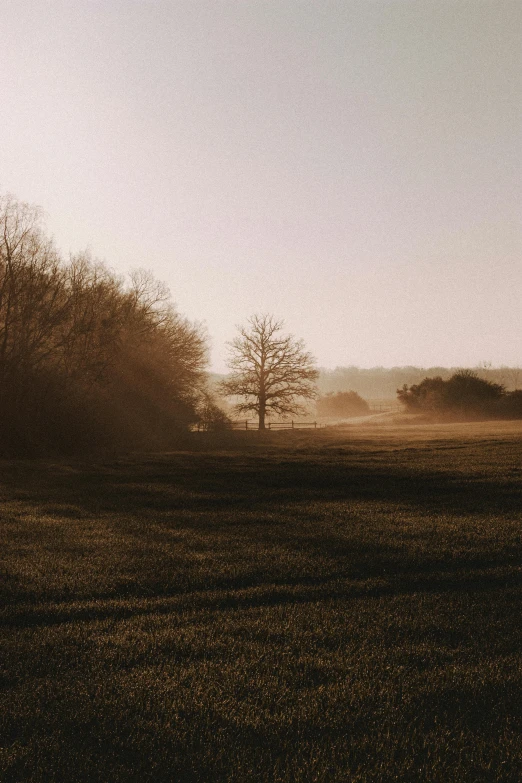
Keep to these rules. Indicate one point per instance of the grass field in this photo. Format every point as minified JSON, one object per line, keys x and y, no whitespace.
{"x":328,"y":606}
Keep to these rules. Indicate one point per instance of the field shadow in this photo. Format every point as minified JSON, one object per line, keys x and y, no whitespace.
{"x":243,"y":594}
{"x":269,"y":507}
{"x":196,"y":483}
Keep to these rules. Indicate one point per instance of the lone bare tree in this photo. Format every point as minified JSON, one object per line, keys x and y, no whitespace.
{"x":271,"y":372}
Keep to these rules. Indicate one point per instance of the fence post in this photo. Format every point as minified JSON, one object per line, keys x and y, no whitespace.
{"x":269,"y":425}
{"x":292,"y":424}
{"x":315,"y":425}
{"x":246,"y":424}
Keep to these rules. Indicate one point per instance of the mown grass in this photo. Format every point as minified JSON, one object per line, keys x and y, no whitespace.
{"x":328,"y":606}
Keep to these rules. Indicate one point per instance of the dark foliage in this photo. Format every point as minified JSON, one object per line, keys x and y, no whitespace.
{"x":87,"y":361}
{"x":342,"y":405}
{"x":382,"y":382}
{"x":510,"y":405}
{"x":464,"y":395}
{"x":211,"y":417}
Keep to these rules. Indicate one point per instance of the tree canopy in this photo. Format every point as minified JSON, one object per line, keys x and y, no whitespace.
{"x":87,"y":358}
{"x":464,"y":395}
{"x":272,"y":373}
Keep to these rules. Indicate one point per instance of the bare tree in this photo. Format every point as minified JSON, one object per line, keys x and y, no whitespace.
{"x":86,"y":359}
{"x":271,"y":373}
{"x":32,"y":304}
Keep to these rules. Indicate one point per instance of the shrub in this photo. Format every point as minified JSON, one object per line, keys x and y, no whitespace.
{"x":464,"y":395}
{"x":425,"y":396}
{"x":342,"y":405}
{"x":211,"y":417}
{"x":510,"y":405}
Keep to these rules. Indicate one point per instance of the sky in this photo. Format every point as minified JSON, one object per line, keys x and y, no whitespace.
{"x":353,"y":166}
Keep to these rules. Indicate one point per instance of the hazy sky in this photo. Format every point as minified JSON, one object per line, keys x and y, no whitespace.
{"x":352,"y":167}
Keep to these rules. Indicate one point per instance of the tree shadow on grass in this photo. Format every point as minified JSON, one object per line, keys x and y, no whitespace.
{"x":244,"y":594}
{"x":197,"y":483}
{"x":270,"y":509}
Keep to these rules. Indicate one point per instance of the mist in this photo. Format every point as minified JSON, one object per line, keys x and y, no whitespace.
{"x":352,"y":167}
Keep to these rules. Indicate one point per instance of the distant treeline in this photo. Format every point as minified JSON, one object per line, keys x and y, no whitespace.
{"x":86,"y":358}
{"x":91,"y":360}
{"x":383,"y":382}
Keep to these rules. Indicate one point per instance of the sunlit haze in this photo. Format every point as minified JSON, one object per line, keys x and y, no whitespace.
{"x":352,"y":167}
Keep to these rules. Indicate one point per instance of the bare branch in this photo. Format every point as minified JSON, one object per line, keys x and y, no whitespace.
{"x":271,"y":373}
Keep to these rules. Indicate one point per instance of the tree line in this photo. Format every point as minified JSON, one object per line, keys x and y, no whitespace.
{"x":89,"y":359}
{"x":383,"y":382}
{"x":464,"y":395}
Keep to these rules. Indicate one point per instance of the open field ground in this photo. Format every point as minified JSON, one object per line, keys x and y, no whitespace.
{"x":302,"y":606}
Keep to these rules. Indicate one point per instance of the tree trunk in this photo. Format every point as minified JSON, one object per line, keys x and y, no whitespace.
{"x":262,"y":413}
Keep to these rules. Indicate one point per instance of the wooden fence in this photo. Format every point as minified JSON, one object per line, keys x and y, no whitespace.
{"x":276,"y":425}
{"x":252,"y":425}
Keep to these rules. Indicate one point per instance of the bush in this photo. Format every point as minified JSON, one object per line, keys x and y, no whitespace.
{"x":464,"y":395}
{"x":342,"y":405}
{"x":425,"y":396}
{"x":510,"y":406}
{"x":211,"y":417}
